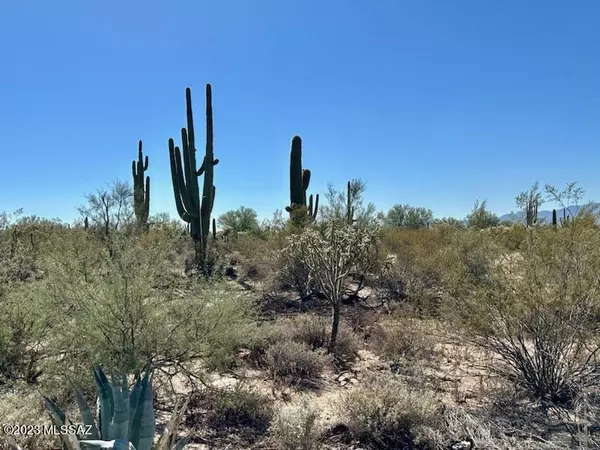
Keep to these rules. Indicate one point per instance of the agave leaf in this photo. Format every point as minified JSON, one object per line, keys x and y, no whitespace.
{"x":70,"y":440}
{"x":56,"y":414}
{"x":143,"y":427}
{"x":105,"y":401}
{"x":134,"y":399}
{"x":125,"y":396}
{"x":120,"y":422}
{"x":116,"y":444}
{"x":86,"y":415}
{"x":59,"y":418}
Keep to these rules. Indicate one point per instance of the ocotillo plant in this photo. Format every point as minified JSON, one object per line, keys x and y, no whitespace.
{"x":141,"y":192}
{"x":299,"y":182}
{"x":192,"y":208}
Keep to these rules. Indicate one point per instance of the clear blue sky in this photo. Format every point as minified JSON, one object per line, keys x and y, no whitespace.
{"x":432,"y":103}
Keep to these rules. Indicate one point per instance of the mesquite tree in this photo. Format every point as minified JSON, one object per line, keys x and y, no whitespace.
{"x":330,"y":255}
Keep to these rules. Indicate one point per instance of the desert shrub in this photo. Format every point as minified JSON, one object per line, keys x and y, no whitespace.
{"x":259,"y":340}
{"x":416,"y":266}
{"x":23,"y":247}
{"x":296,"y":428}
{"x":241,"y":410}
{"x":313,"y":331}
{"x":21,"y":405}
{"x":294,"y":363}
{"x":509,"y":237}
{"x":540,"y":315}
{"x":382,"y":413}
{"x":256,"y":255}
{"x":294,"y":276}
{"x":27,"y":321}
{"x":404,"y":337}
{"x":471,"y":259}
{"x":113,"y":315}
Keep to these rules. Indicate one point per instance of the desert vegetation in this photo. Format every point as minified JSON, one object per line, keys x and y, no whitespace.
{"x":330,"y":326}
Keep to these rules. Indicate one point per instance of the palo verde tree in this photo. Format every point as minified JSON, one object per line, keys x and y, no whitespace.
{"x":240,"y":220}
{"x":481,"y":218}
{"x":529,"y":202}
{"x":109,"y":208}
{"x":348,"y":206}
{"x":193,"y":208}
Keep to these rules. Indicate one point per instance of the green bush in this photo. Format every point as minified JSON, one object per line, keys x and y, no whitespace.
{"x":294,"y":363}
{"x":240,"y":410}
{"x":297,"y":428}
{"x":404,"y":337}
{"x":314,"y":331}
{"x":539,"y":313}
{"x":382,"y":413}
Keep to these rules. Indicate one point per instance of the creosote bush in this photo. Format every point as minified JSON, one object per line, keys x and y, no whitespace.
{"x":313,"y":331}
{"x":294,"y":363}
{"x":382,"y":413}
{"x":297,"y":428}
{"x":540,"y":315}
{"x":405,"y":337}
{"x":239,"y":409}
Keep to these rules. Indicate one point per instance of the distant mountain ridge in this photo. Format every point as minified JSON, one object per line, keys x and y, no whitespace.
{"x":546,"y":215}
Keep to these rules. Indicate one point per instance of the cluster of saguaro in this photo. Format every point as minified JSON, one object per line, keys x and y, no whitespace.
{"x":299,"y":182}
{"x":141,"y":190}
{"x":191,"y":207}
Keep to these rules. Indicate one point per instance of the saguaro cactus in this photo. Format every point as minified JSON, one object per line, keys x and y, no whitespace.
{"x":299,"y":182}
{"x":349,"y":208}
{"x":141,"y":193}
{"x":554,"y":222}
{"x":192,"y":208}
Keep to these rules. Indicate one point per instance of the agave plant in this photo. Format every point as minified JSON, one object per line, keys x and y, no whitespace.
{"x":126,"y":420}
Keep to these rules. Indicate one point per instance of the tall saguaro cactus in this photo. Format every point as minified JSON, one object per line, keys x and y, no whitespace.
{"x":141,"y":192}
{"x":299,"y":182}
{"x":192,"y":208}
{"x":349,"y":208}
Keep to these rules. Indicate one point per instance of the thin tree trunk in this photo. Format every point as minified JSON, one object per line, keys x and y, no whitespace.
{"x":335,"y":324}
